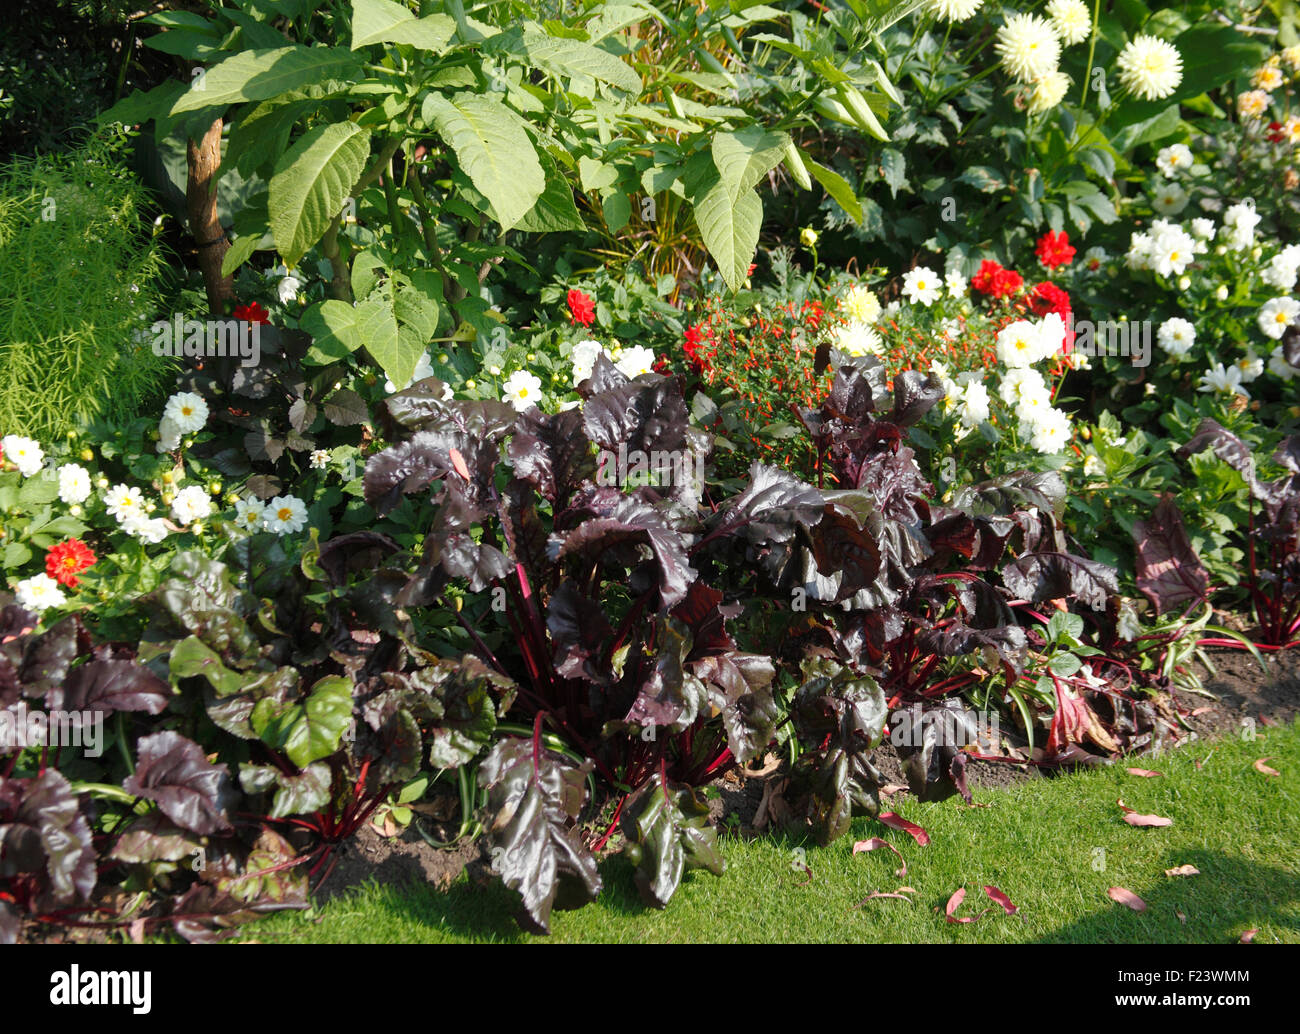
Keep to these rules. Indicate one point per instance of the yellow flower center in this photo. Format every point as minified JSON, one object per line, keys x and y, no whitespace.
{"x":284,"y":513}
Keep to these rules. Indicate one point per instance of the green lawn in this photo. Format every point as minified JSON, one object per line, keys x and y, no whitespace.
{"x":1042,"y":843}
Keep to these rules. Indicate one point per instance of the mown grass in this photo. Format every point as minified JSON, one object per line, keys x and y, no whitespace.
{"x":1053,"y":846}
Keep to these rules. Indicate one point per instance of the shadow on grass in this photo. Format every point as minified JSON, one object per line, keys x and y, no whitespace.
{"x":1231,"y":895}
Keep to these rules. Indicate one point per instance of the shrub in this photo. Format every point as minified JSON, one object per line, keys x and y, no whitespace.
{"x":79,"y":265}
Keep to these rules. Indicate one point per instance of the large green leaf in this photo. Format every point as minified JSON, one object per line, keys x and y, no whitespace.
{"x":311,"y":182}
{"x":569,"y":57}
{"x":729,"y":226}
{"x":333,"y":327}
{"x":395,"y":354}
{"x":493,"y":148}
{"x":311,"y":730}
{"x":743,"y":158}
{"x":838,"y":188}
{"x":382,"y":21}
{"x":255,"y":75}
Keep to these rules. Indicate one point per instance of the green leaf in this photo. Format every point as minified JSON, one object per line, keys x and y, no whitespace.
{"x":570,"y":57}
{"x":729,"y":226}
{"x":311,"y":182}
{"x":555,"y":210}
{"x":333,"y":327}
{"x":838,"y":188}
{"x":255,"y":75}
{"x":382,"y":21}
{"x":311,"y":730}
{"x":240,"y":252}
{"x":377,"y":325}
{"x":743,"y":158}
{"x":983,"y":178}
{"x":892,"y":170}
{"x":192,"y":657}
{"x":493,"y":148}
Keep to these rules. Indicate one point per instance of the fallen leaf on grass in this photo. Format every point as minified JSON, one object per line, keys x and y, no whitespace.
{"x":954,"y":903}
{"x":889,"y":789}
{"x":1001,"y":899}
{"x":1134,"y":819}
{"x":884,"y":894}
{"x":1127,"y":897}
{"x":1264,"y":769}
{"x":895,"y":821}
{"x":1248,"y":937}
{"x":1182,"y":916}
{"x":1145,"y":773}
{"x":1201,"y":710}
{"x":875,"y":843}
{"x":1183,"y":870}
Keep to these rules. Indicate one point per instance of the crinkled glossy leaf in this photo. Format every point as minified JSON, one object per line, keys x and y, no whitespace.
{"x":533,"y":799}
{"x":172,"y":772}
{"x":310,"y":730}
{"x":1169,"y":573}
{"x":1049,"y":576}
{"x":668,"y":833}
{"x":44,"y":834}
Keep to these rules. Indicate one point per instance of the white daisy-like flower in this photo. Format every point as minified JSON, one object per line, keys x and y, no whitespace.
{"x":1050,"y":433}
{"x":38,"y":593}
{"x":1019,"y":344}
{"x":1239,"y":222}
{"x":1172,"y":251}
{"x":1169,"y":199}
{"x":24,"y":453}
{"x":1028,"y":47}
{"x":1139,"y":251}
{"x":1174,"y":159}
{"x":423,"y":369}
{"x":248,"y":514}
{"x":1093,"y":467}
{"x":955,"y":10}
{"x":1176,"y":336}
{"x":169,"y":435}
{"x":583,"y":357}
{"x":1071,"y":19}
{"x":74,"y":484}
{"x":1291,"y":55}
{"x":857,"y":339}
{"x":522,"y":389}
{"x":1094,"y":259}
{"x":1049,"y":90}
{"x":1279,"y":367}
{"x":1269,"y":78}
{"x":1032,"y":404}
{"x":973,"y":407}
{"x":1051,"y":335}
{"x":634,"y":361}
{"x":123,"y":502}
{"x":187,"y":411}
{"x":1282,"y":268}
{"x":1276,"y":314}
{"x":149,"y":530}
{"x":1252,"y":104}
{"x":956,"y":283}
{"x":287,"y":289}
{"x":191,"y":504}
{"x":922,"y":285}
{"x":285,"y":514}
{"x":1203,"y":229}
{"x":320,"y":459}
{"x":1250,"y":365}
{"x":1150,"y":68}
{"x":1018,"y":381}
{"x":1217,"y":379}
{"x":860,"y":304}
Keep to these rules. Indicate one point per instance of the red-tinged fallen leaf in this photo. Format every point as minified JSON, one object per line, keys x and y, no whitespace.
{"x":882,"y":894}
{"x":1134,"y":819}
{"x":1248,"y":937}
{"x":1266,"y":720}
{"x":896,"y":821}
{"x":1001,"y":899}
{"x":954,"y":903}
{"x":905,"y":890}
{"x":1183,"y":870}
{"x":1127,"y":897}
{"x":458,"y":462}
{"x":1145,"y":773}
{"x":889,"y":789}
{"x":874,"y":844}
{"x":1264,"y":769}
{"x":1200,"y":711}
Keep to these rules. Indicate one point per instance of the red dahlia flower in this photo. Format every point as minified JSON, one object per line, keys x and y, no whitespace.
{"x":1047,"y":297}
{"x":996,"y":280}
{"x":1054,"y":249}
{"x":253,"y":312}
{"x":66,"y":560}
{"x":581,"y":307}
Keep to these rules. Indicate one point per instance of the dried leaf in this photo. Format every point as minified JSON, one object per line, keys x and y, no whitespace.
{"x":1145,"y":773}
{"x":1183,"y":870}
{"x":890,"y":789}
{"x":1001,"y":899}
{"x":1134,"y":819}
{"x":1200,"y":711}
{"x":1248,"y":937}
{"x":883,"y":894}
{"x":896,"y":821}
{"x":874,"y":844}
{"x":954,"y":903}
{"x":1127,"y":897}
{"x":1264,"y":769}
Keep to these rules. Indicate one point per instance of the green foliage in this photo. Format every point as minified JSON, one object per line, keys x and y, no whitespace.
{"x":80,"y":267}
